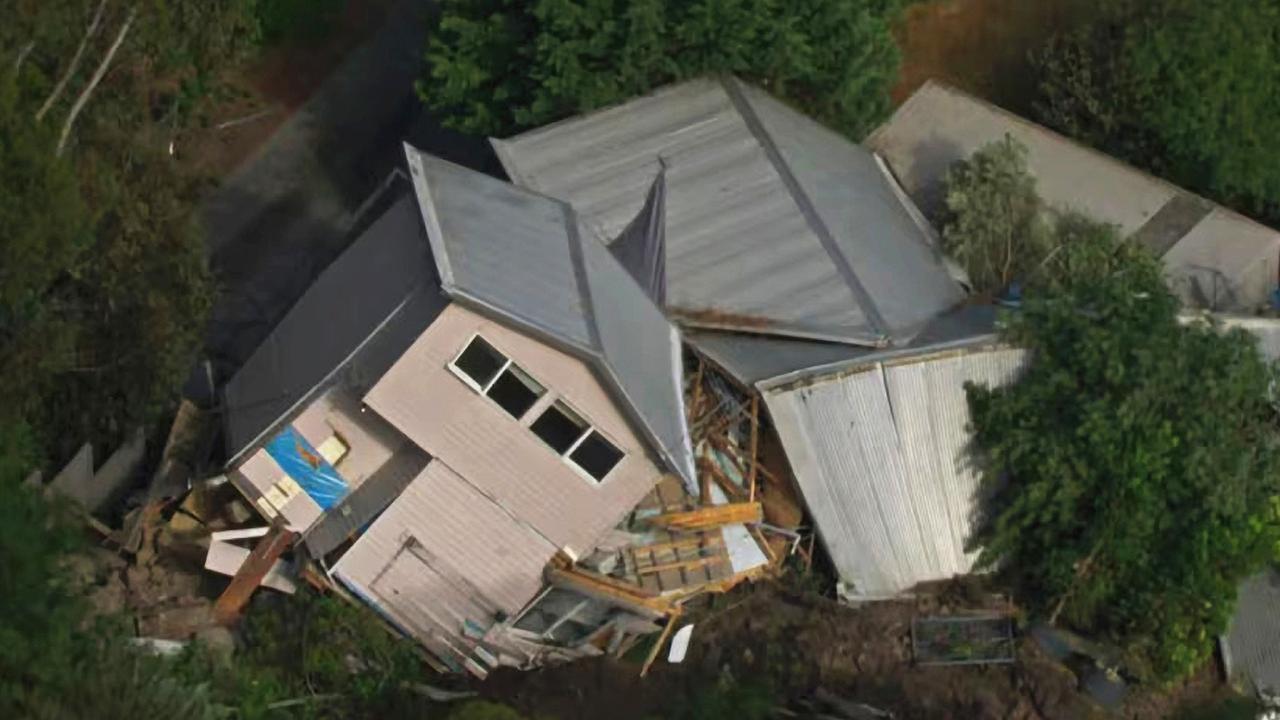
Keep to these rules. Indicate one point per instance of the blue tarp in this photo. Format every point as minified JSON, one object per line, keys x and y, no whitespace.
{"x":313,"y":473}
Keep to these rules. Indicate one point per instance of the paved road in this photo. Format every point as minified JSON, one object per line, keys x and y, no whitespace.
{"x":279,"y":219}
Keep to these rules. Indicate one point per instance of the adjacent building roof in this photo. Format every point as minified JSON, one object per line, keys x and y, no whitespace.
{"x":774,"y":224}
{"x":354,"y":321}
{"x":1214,"y":257}
{"x":524,"y":259}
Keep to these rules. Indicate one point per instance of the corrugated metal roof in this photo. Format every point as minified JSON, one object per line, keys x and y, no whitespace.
{"x":1251,"y":647}
{"x":521,"y":257}
{"x":881,"y":457}
{"x":774,"y":223}
{"x":351,"y":324}
{"x":752,"y":359}
{"x":939,"y":125}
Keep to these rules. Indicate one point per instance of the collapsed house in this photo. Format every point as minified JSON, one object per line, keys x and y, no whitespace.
{"x":473,"y":422}
{"x":803,"y":271}
{"x":478,"y":420}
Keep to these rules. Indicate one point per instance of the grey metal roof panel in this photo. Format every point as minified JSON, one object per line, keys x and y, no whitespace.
{"x":642,"y":351}
{"x":751,"y":359}
{"x":524,"y":259}
{"x":1252,"y":644}
{"x":503,"y":248}
{"x":873,"y":229}
{"x":357,"y":316}
{"x":744,"y":249}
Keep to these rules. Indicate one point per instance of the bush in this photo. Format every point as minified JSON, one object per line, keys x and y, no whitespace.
{"x":1135,"y":466}
{"x":498,"y":66}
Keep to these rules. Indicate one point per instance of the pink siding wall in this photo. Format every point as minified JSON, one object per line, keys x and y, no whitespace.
{"x":498,"y":454}
{"x":466,"y":535}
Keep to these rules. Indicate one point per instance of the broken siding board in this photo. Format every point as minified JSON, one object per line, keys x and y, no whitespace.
{"x":256,"y":566}
{"x":227,"y":559}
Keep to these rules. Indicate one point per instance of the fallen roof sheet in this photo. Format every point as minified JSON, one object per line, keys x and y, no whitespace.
{"x":1214,"y":257}
{"x":881,"y":456}
{"x":522,"y":257}
{"x":775,"y":224}
{"x":353,"y":322}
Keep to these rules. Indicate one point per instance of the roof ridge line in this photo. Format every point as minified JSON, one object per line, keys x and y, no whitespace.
{"x":816,"y":224}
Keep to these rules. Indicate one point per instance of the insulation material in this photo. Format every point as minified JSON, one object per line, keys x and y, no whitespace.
{"x":307,"y":467}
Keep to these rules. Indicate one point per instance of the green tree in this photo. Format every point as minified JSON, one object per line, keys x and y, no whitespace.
{"x":994,"y":225}
{"x":498,"y":66}
{"x":1183,"y":88}
{"x":103,"y":285}
{"x":1135,"y":466}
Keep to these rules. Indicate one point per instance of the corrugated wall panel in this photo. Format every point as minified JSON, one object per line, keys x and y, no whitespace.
{"x":498,"y":454}
{"x":880,"y":456}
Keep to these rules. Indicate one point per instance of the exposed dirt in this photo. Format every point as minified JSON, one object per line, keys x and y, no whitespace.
{"x":982,"y":46}
{"x":260,"y":97}
{"x":798,"y":643}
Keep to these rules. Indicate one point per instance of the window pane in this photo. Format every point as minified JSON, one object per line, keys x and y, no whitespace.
{"x":559,"y":428}
{"x":480,"y":361}
{"x":515,"y":391}
{"x":596,"y":455}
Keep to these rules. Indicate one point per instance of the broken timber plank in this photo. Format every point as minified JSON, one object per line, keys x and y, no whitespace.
{"x":662,"y":640}
{"x":632,"y":598}
{"x":681,"y":565}
{"x":260,"y":561}
{"x":710,"y":517}
{"x":753,"y":451}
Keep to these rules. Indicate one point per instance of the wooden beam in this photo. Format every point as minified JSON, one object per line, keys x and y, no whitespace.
{"x":657,"y":646}
{"x":269,"y":549}
{"x":632,"y":598}
{"x":680,"y":565}
{"x":710,"y":517}
{"x":695,"y":541}
{"x":754,"y":449}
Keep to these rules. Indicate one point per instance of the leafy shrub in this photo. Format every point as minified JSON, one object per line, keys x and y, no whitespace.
{"x":1135,"y":466}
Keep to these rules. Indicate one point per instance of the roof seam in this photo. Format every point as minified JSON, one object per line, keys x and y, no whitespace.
{"x":575,"y":241}
{"x":802,"y":200}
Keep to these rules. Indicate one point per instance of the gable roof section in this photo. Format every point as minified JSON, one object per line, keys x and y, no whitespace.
{"x":775,"y":224}
{"x":1212,"y":255}
{"x":522,"y":258}
{"x":354,"y":321}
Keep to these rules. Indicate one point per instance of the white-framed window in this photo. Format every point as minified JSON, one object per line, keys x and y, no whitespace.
{"x":563,"y":617}
{"x":575,"y":440}
{"x":492,"y":374}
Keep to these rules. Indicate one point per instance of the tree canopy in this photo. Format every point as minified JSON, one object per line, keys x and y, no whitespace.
{"x":1135,"y":463}
{"x":498,"y":66}
{"x":1184,"y":88}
